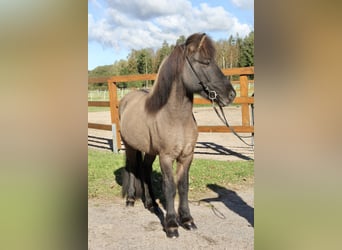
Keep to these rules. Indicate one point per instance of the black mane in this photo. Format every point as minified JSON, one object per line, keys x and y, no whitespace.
{"x":172,"y":68}
{"x":169,"y":71}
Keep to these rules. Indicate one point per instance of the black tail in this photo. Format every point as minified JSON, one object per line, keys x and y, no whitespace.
{"x":133,"y":166}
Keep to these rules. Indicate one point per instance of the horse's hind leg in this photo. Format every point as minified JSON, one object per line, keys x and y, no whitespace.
{"x":150,"y":200}
{"x":183,"y":167}
{"x":131,"y":181}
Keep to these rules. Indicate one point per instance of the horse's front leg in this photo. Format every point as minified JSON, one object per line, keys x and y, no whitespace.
{"x":169,"y":188}
{"x":183,"y":167}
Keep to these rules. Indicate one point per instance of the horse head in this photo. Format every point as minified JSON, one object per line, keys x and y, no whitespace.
{"x":201,"y":74}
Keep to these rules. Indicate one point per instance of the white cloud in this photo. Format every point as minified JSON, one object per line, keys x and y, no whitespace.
{"x":244,"y":4}
{"x":149,"y":8}
{"x":101,"y":32}
{"x":136,"y":24}
{"x":96,"y":3}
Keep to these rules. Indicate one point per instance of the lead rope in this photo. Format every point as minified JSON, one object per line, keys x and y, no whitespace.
{"x":225,"y":122}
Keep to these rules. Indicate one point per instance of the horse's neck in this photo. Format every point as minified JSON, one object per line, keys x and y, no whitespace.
{"x":180,"y":101}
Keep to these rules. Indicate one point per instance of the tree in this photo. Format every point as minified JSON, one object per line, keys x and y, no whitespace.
{"x":221,"y":53}
{"x":230,"y":53}
{"x":132,"y":62}
{"x":180,"y":40}
{"x":121,"y":67}
{"x":247,"y":51}
{"x":164,"y":51}
{"x":144,"y":61}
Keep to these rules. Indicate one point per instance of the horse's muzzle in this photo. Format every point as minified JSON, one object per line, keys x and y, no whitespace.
{"x":231,"y":96}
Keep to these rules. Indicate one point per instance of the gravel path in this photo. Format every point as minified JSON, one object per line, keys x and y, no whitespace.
{"x":224,"y":216}
{"x":225,"y":220}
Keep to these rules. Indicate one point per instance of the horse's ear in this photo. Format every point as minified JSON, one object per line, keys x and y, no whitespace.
{"x":201,"y":42}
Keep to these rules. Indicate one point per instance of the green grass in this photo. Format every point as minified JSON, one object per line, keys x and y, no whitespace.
{"x":104,"y":174}
{"x":97,"y":109}
{"x":222,"y":173}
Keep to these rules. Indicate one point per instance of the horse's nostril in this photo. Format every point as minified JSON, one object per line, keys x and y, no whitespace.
{"x":232,"y":95}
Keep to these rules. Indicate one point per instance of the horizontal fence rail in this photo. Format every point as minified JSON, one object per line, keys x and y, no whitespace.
{"x":244,"y":100}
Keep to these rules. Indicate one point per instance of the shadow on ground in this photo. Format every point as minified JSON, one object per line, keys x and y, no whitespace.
{"x":156,"y":184}
{"x":216,"y":149}
{"x":210,"y":147}
{"x":157,"y":190}
{"x":232,"y":201}
{"x":100,"y":142}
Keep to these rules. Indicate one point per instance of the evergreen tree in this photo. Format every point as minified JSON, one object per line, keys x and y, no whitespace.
{"x":230,"y":53}
{"x":180,"y":40}
{"x":144,"y":61}
{"x":247,"y":51}
{"x":164,"y":51}
{"x":132,"y":62}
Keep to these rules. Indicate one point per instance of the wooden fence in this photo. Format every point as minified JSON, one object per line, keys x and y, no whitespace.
{"x":244,"y":100}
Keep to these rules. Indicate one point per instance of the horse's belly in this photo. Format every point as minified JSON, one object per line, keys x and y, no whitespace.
{"x":135,"y":133}
{"x":134,"y":127}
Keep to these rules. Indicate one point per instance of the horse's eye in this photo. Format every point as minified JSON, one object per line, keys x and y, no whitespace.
{"x":205,"y":61}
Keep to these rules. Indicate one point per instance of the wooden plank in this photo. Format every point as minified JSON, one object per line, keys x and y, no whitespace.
{"x":204,"y":129}
{"x":98,"y":79}
{"x":201,"y":101}
{"x":100,"y":126}
{"x":238,"y":100}
{"x":132,"y":78}
{"x":98,"y":104}
{"x":238,"y":71}
{"x":245,"y":100}
{"x":221,"y":129}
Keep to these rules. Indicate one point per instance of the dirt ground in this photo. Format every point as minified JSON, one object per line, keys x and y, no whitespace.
{"x":224,"y":216}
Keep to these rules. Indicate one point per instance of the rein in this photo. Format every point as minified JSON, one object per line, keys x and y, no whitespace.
{"x":223,"y":118}
{"x":212,"y":95}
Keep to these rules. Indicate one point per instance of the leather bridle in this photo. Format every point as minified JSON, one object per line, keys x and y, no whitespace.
{"x":212,"y":95}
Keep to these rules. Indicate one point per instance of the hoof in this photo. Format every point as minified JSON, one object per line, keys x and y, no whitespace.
{"x":189,"y":225}
{"x":172,"y":233}
{"x":129,"y":203}
{"x":156,"y":210}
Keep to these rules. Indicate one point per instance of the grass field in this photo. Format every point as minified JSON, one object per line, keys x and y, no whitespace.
{"x":104,"y":174}
{"x":97,"y":109}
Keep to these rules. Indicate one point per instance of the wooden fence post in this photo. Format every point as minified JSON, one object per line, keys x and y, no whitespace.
{"x":114,"y":114}
{"x":244,"y":106}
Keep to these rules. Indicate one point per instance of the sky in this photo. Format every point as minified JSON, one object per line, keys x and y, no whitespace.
{"x":115,"y":27}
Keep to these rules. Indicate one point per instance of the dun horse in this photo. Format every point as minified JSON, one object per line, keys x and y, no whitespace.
{"x":161,"y":123}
